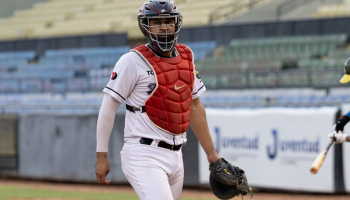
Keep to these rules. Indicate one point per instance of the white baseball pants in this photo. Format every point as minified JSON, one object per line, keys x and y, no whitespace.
{"x":155,"y":173}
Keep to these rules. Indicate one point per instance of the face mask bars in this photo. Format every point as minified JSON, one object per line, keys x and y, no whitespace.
{"x":165,"y":35}
{"x":161,"y":44}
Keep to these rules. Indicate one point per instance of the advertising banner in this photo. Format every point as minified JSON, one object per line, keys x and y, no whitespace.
{"x":275,"y":146}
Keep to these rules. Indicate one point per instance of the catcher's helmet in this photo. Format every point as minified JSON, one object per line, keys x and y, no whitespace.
{"x":346,"y":77}
{"x":159,"y":9}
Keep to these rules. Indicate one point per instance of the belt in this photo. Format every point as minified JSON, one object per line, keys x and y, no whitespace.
{"x":162,"y":144}
{"x":133,"y":109}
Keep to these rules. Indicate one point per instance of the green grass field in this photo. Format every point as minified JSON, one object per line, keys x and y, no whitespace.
{"x":14,"y":192}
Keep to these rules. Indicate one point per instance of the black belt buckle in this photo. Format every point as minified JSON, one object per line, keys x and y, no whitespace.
{"x":138,"y":109}
{"x":169,"y":146}
{"x":133,"y":109}
{"x":147,"y":141}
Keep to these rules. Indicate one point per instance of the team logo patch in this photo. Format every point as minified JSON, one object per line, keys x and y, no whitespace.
{"x":114,"y":76}
{"x":151,"y":87}
{"x":197,"y":75}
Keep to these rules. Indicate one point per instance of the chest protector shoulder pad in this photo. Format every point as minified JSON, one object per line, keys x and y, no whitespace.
{"x":169,"y":105}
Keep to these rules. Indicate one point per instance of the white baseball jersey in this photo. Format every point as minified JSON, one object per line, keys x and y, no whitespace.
{"x":132,"y":81}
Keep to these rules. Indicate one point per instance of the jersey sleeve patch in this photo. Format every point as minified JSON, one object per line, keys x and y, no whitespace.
{"x":197,"y":74}
{"x":114,"y":76}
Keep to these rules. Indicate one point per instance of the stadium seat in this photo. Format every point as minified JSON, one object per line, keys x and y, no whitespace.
{"x":333,"y":10}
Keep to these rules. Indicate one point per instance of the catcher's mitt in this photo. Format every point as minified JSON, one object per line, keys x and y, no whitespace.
{"x":227,"y":181}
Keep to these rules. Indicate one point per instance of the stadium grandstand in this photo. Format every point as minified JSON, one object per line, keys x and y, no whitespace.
{"x":275,"y":59}
{"x":75,"y":17}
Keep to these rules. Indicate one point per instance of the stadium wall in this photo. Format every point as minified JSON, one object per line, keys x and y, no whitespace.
{"x":62,"y":148}
{"x":7,"y":7}
{"x":8,"y":144}
{"x":87,"y":41}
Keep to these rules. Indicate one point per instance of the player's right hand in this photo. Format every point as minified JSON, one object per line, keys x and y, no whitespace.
{"x":337,"y":137}
{"x":102,"y":168}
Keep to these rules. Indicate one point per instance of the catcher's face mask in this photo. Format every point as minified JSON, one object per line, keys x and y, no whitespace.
{"x":162,"y":31}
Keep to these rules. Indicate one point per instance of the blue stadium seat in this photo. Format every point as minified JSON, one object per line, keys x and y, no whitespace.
{"x":33,"y":86}
{"x":201,"y":49}
{"x":8,"y":86}
{"x":9,"y":59}
{"x":77,"y":85}
{"x":93,"y":56}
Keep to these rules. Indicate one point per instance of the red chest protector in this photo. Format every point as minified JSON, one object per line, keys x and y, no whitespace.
{"x":169,"y":105}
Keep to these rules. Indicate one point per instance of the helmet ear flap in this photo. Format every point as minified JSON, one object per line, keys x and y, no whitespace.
{"x":144,"y":21}
{"x":179,"y":22}
{"x":143,"y":25}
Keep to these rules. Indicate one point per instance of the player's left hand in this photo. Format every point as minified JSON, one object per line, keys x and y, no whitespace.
{"x":213,"y":157}
{"x":337,"y":137}
{"x":227,"y":180}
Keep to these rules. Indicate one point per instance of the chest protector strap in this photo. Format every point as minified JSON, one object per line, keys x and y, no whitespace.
{"x":169,"y":105}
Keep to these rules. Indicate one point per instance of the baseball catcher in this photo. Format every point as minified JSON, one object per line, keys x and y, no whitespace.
{"x":227,"y":180}
{"x":160,"y":88}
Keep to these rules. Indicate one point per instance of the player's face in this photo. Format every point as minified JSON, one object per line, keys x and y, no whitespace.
{"x":162,"y":26}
